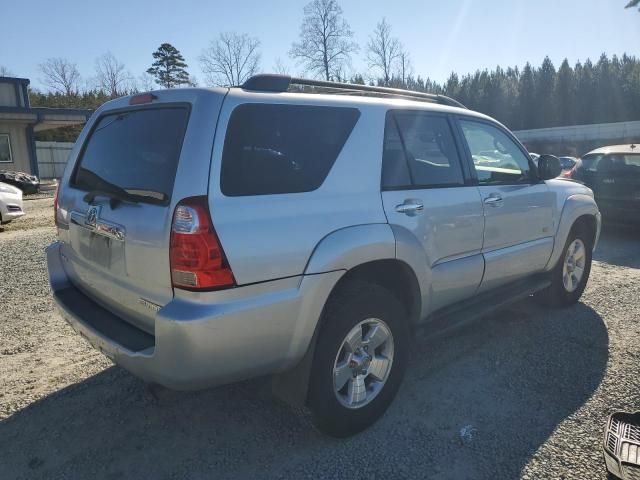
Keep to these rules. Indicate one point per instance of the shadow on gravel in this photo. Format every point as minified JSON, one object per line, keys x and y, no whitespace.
{"x":474,"y":405}
{"x":619,"y":245}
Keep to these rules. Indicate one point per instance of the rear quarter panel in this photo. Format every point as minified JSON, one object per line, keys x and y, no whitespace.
{"x":273,"y":236}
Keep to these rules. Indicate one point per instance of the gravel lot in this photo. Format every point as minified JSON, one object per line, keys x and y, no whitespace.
{"x":523,"y":394}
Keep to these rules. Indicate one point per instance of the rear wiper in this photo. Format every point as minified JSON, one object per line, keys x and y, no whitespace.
{"x":115,"y":197}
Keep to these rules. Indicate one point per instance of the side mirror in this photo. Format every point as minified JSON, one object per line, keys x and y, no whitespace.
{"x":549,"y":167}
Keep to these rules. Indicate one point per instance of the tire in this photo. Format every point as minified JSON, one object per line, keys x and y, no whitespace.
{"x":359,"y":309}
{"x":559,"y":294}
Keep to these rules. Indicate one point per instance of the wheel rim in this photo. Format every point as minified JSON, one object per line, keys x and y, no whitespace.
{"x":363,"y":363}
{"x":574,"y":265}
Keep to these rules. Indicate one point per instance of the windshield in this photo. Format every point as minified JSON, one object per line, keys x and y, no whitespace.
{"x":134,"y":152}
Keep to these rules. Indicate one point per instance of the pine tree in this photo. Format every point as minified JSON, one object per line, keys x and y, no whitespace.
{"x":527,"y":98}
{"x":545,"y":85}
{"x":564,"y":96}
{"x":169,"y":67}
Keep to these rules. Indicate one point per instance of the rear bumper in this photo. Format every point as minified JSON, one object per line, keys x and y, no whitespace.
{"x":203,"y":339}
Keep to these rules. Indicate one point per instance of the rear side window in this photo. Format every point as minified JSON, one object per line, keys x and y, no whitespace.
{"x":621,"y":164}
{"x":136,"y":150}
{"x":419,"y":151}
{"x":272,"y":149}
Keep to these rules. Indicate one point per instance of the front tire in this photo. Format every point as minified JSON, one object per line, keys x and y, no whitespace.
{"x":360,"y":359}
{"x":569,"y":277}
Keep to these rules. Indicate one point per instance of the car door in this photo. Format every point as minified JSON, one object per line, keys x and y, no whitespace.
{"x":518,"y":208}
{"x":426,"y":193}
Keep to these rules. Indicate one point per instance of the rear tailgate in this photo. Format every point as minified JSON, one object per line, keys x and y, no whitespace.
{"x":614,"y":179}
{"x":132,"y":165}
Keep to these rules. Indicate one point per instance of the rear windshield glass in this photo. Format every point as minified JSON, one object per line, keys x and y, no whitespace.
{"x":612,"y":163}
{"x":136,"y":151}
{"x":273,"y":149}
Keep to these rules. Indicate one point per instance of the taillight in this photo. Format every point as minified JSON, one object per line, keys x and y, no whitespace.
{"x":196,"y":256}
{"x":568,"y":173}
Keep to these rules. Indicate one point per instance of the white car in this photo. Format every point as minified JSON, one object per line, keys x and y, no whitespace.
{"x":10,"y":203}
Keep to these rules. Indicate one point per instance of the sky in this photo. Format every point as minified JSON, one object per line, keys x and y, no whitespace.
{"x":442,"y":37}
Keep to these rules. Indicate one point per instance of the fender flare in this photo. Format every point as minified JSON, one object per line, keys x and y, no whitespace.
{"x":349,"y":247}
{"x":574,"y":207}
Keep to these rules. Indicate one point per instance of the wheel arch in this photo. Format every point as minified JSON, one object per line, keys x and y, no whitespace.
{"x":578,"y":210}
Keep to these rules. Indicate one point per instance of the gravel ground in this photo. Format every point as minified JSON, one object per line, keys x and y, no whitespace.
{"x":522,"y":394}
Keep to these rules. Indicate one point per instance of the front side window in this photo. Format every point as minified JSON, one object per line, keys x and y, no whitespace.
{"x":419,"y":151}
{"x":272,"y":149}
{"x":497,"y":159}
{"x":5,"y":149}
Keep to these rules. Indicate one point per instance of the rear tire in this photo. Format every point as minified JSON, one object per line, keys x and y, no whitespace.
{"x":570,"y":275}
{"x":360,"y":359}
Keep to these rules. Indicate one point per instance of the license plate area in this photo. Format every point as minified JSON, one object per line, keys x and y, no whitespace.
{"x":97,"y":250}
{"x":98,"y":247}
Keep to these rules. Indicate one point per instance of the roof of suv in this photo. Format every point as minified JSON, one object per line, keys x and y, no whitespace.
{"x":628,"y":148}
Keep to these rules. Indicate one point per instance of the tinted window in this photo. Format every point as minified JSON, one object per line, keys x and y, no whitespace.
{"x":137,"y":151}
{"x":419,"y":151}
{"x":282,"y":148}
{"x":496,"y":158}
{"x":621,"y":164}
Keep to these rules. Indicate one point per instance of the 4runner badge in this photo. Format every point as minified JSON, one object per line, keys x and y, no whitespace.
{"x":150,"y":305}
{"x":91,"y":219}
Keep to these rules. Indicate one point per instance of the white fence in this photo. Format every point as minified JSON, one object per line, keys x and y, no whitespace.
{"x":576,"y":133}
{"x":52,"y":158}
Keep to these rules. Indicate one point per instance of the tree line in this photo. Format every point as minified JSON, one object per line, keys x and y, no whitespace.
{"x":532,"y":97}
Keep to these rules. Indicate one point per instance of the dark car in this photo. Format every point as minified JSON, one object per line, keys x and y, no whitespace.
{"x":27,"y":183}
{"x":613,"y":173}
{"x":567,"y":163}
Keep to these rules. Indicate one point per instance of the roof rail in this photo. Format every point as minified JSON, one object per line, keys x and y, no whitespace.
{"x":268,"y":82}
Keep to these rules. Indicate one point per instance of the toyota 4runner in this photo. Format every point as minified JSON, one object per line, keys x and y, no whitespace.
{"x":303,"y":229}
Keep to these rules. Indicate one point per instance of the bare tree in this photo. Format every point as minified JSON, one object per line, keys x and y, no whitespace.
{"x":280,"y":68}
{"x":111,"y":75}
{"x":5,"y":72}
{"x":404,"y":66}
{"x":383,"y":50}
{"x":60,"y":75}
{"x":326,"y":44}
{"x":231,"y":59}
{"x":144,"y":82}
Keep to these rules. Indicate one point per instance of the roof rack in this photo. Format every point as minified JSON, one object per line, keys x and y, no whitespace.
{"x":268,"y":82}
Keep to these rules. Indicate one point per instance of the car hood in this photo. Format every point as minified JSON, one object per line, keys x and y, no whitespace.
{"x":567,"y":187}
{"x":10,"y":189}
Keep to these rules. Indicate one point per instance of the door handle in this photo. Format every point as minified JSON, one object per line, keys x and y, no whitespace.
{"x":493,"y":200}
{"x":410,"y":207}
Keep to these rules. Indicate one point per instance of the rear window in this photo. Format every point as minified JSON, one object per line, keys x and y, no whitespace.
{"x":623,"y":164}
{"x":135,"y":150}
{"x":272,"y":149}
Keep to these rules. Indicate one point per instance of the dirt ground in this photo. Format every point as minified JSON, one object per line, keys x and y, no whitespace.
{"x":522,"y":394}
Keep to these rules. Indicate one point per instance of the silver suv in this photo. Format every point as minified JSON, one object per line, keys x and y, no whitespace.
{"x":303,"y":229}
